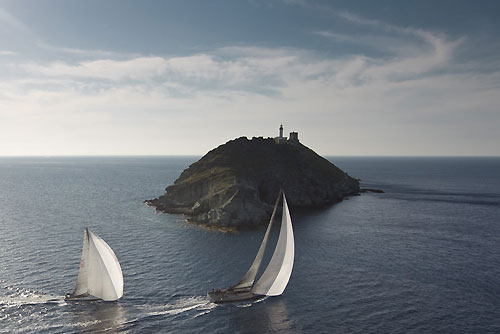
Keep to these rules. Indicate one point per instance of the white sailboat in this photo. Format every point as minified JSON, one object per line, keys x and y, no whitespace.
{"x":100,"y":274}
{"x":277,"y":273}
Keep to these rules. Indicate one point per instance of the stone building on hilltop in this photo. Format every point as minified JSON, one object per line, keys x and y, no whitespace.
{"x":294,"y":137}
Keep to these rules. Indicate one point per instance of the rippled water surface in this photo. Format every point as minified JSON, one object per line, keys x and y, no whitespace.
{"x":424,"y":257}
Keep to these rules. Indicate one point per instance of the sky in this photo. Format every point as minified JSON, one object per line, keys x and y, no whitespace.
{"x":181,"y":77}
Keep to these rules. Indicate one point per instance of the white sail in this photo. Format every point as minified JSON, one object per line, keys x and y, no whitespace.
{"x":81,"y":281}
{"x":277,"y":274}
{"x":100,"y":273}
{"x":249,"y":278}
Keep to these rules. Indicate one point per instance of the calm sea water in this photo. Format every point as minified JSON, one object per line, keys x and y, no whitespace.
{"x":424,"y":257}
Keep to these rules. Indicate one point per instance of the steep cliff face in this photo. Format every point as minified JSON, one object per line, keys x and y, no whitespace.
{"x":236,"y":184}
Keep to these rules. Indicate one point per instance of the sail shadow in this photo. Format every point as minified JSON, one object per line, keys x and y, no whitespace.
{"x":269,"y":317}
{"x":99,"y":316}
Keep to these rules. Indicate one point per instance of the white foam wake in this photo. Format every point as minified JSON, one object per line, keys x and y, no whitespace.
{"x":16,"y":296}
{"x":198,"y":303}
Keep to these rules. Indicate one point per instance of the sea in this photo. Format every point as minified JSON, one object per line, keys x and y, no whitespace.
{"x":422,"y":257}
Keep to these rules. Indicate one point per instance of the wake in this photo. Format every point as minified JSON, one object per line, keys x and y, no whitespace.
{"x":248,"y":304}
{"x":16,"y":296}
{"x":190,"y":306}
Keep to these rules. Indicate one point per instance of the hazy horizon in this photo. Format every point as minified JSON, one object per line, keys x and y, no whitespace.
{"x":201,"y":155}
{"x":179,"y":78}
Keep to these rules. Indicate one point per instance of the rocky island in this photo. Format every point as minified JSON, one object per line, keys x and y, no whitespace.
{"x":236,"y":184}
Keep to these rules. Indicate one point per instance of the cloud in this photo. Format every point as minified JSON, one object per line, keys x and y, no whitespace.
{"x":359,"y":103}
{"x":227,"y":69}
{"x":13,"y":23}
{"x":248,"y":68}
{"x":138,"y":69}
{"x":79,"y":52}
{"x":7,"y":53}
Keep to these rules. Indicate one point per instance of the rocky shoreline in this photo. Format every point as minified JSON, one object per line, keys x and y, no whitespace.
{"x":234,"y":186}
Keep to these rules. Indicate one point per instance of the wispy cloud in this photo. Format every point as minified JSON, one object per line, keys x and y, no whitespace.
{"x":84,"y":53}
{"x":137,"y":69}
{"x":97,"y":99}
{"x":7,"y":53}
{"x":13,"y":23}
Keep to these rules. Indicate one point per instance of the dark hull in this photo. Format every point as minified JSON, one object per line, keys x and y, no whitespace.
{"x":84,"y":297}
{"x":229,"y":296}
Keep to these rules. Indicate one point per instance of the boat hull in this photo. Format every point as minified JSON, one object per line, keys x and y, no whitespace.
{"x":220,"y":296}
{"x":83,"y":297}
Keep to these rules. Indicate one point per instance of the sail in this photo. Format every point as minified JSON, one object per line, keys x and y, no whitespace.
{"x":100,"y":274}
{"x":249,"y":277}
{"x":277,"y":274}
{"x":105,"y":278}
{"x":81,"y":281}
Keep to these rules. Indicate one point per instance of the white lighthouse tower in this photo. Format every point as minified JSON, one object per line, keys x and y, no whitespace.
{"x":280,"y":139}
{"x":293,"y":139}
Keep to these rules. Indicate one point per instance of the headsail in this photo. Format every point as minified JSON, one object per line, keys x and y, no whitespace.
{"x":277,"y":274}
{"x":81,"y":281}
{"x":100,"y":273}
{"x":249,"y":278}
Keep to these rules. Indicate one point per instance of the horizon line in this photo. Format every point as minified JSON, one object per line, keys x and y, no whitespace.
{"x":201,"y":155}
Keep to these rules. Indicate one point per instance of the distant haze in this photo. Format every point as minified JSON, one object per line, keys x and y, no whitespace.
{"x":181,"y":77}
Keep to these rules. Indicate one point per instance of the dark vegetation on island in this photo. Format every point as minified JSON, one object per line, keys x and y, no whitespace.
{"x":236,"y":184}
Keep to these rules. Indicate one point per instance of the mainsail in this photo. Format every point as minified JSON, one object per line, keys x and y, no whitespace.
{"x":277,"y":274}
{"x":100,"y":273}
{"x":249,"y":278}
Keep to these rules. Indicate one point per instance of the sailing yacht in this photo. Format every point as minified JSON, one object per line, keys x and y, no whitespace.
{"x":100,"y":274}
{"x":275,"y":277}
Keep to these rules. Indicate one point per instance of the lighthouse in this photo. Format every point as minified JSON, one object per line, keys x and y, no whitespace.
{"x":280,"y":139}
{"x":293,"y":139}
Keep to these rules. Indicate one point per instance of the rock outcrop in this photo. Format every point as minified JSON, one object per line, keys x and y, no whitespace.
{"x":236,"y":184}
